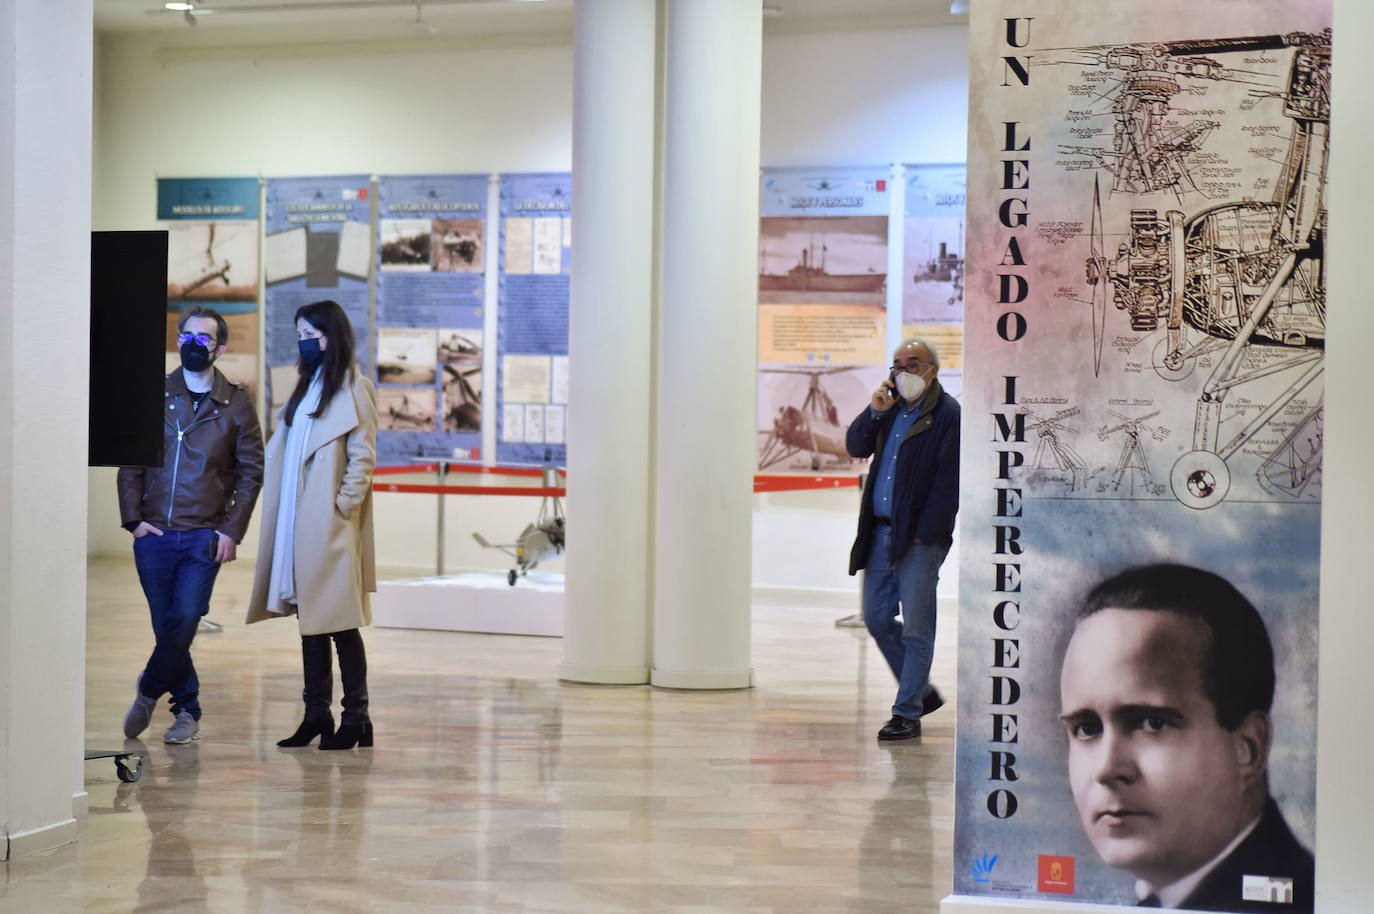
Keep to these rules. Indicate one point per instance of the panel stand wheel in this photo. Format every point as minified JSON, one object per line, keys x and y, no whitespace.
{"x":129,"y":768}
{"x":128,"y":765}
{"x":511,"y":577}
{"x":1200,"y":479}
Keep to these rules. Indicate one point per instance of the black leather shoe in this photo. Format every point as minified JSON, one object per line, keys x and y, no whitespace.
{"x":307,"y":731}
{"x":900,"y":728}
{"x":932,"y":702}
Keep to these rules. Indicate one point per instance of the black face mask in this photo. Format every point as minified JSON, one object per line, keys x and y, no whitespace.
{"x":310,"y":352}
{"x":195,"y":358}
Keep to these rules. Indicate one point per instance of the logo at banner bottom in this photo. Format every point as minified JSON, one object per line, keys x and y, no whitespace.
{"x":1056,"y":874}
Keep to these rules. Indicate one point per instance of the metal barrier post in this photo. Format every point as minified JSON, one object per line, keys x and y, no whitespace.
{"x":439,"y":558}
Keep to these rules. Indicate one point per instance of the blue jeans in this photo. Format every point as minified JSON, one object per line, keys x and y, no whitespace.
{"x":907,"y":646}
{"x":177,"y":571}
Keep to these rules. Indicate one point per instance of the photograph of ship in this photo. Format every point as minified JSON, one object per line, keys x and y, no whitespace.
{"x":823,"y":260}
{"x":457,"y":245}
{"x":804,"y":412}
{"x":933,"y":264}
{"x":405,"y":409}
{"x":212,"y":262}
{"x":405,"y":245}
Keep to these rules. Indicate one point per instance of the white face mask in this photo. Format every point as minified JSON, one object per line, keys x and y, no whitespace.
{"x":910,"y":386}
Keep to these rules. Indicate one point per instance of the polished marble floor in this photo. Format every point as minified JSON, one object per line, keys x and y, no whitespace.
{"x":494,"y":788}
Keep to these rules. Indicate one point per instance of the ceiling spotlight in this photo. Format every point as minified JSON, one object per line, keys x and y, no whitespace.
{"x":179,"y":7}
{"x":958,"y":7}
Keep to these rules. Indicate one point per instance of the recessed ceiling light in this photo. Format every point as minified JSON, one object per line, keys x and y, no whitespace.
{"x":179,"y":7}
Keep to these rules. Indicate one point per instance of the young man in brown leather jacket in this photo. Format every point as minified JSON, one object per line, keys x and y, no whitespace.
{"x":189,"y":515}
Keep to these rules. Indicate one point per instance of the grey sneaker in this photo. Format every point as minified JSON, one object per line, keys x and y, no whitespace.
{"x":139,"y":714}
{"x":184,"y":730}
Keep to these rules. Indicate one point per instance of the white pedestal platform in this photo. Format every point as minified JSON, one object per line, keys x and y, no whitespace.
{"x":479,"y":601}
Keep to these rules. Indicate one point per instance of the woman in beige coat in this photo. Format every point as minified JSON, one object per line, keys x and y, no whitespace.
{"x":315,"y":555}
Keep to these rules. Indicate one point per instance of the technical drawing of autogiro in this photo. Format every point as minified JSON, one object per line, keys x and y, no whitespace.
{"x":546,"y":538}
{"x":1236,"y":279}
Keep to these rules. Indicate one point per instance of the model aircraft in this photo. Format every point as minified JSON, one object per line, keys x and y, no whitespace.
{"x":813,"y":427}
{"x":541,"y":540}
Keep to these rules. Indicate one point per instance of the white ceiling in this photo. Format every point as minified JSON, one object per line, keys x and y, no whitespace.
{"x":282,"y":21}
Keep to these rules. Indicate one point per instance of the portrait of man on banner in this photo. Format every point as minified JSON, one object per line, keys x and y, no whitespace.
{"x":1166,"y":689}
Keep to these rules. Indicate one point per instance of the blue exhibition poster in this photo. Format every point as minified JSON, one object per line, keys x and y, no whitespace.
{"x":532,"y":335}
{"x":431,"y":269}
{"x":318,"y":246}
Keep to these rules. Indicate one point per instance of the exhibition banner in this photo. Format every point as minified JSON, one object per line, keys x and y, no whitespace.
{"x":1141,"y":464}
{"x":212,"y":260}
{"x":933,"y":264}
{"x":532,"y":326}
{"x":431,"y":267}
{"x":318,"y":246}
{"x":822,"y":311}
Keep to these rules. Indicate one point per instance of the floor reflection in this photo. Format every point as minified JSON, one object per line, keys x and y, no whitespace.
{"x":494,"y":788}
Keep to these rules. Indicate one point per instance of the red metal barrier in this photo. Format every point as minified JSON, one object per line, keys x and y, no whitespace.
{"x":470,"y":490}
{"x":535,"y":472}
{"x":762,"y":483}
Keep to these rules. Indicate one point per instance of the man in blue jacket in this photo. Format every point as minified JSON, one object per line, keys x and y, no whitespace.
{"x":906,"y":522}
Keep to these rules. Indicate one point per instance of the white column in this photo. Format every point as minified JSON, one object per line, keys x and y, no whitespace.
{"x":706,"y":345}
{"x":606,"y":617}
{"x":45,"y":221}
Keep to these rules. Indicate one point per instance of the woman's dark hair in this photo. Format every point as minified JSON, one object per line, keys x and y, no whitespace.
{"x":337,"y":364}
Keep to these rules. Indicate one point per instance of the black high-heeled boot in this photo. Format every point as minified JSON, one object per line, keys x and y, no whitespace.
{"x":307,"y":731}
{"x":348,"y":736}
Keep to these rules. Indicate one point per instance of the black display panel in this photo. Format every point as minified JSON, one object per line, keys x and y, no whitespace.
{"x":128,"y":337}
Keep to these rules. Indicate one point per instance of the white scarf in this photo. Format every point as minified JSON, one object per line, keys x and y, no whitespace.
{"x":282,"y":584}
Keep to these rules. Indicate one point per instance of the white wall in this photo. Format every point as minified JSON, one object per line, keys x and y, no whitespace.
{"x":828,"y":98}
{"x":45,"y":116}
{"x":840,"y":98}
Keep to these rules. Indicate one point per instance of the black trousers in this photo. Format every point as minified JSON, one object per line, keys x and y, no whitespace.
{"x":319,"y":675}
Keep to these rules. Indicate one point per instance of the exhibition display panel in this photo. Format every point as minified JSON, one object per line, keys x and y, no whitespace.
{"x":1145,"y":347}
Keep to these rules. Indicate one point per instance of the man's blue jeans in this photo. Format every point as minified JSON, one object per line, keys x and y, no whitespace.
{"x":177,"y":571}
{"x":907,"y":646}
